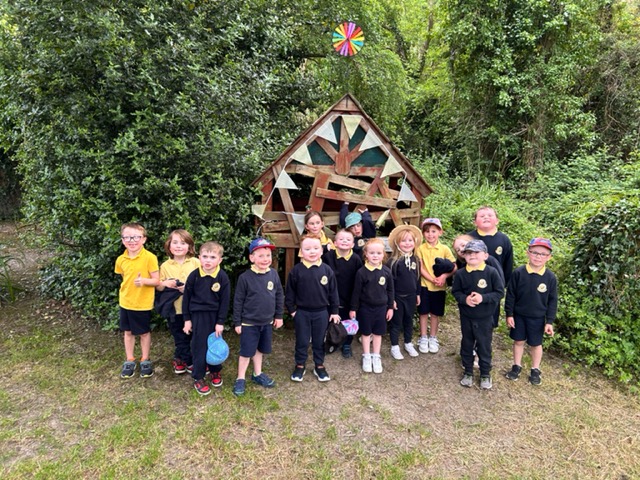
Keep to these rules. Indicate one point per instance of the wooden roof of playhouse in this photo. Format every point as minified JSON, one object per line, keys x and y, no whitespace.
{"x":343,"y":156}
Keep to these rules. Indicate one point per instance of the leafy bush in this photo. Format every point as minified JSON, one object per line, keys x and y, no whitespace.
{"x":160,"y":113}
{"x":600,"y":302}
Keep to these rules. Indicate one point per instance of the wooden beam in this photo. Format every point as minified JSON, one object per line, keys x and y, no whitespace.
{"x":353,"y":198}
{"x":316,"y":202}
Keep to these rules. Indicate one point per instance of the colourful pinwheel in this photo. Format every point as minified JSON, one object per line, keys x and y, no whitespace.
{"x":348,"y":39}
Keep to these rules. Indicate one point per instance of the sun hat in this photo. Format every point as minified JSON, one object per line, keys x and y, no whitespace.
{"x":352,"y":219}
{"x":260,"y":243}
{"x":351,"y":325}
{"x":217,"y":350}
{"x":396,"y":234}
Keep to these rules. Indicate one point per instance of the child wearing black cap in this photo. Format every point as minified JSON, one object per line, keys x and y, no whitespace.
{"x":531,"y":305}
{"x":258,"y":307}
{"x":477,"y":288}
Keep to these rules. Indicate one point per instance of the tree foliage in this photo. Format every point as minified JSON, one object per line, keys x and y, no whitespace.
{"x":159,"y":113}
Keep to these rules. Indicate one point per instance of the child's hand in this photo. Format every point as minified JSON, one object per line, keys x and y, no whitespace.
{"x":440,"y":281}
{"x":548,"y":329}
{"x":138,"y":281}
{"x":219,"y":329}
{"x":389,"y":314}
{"x":335,"y":318}
{"x":238,"y":329}
{"x":471,"y":300}
{"x":418,"y":301}
{"x":395,"y":305}
{"x":511,"y":322}
{"x":278,"y":322}
{"x":187,"y":327}
{"x":352,"y":314}
{"x":477,"y":297}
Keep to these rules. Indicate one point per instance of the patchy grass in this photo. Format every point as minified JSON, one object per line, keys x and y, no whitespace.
{"x":65,"y":413}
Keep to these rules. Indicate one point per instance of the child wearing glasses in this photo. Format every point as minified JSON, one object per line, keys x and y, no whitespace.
{"x":140,"y":276}
{"x":531,"y":305}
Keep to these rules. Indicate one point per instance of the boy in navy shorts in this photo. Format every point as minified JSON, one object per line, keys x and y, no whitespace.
{"x":258,"y":306}
{"x":140,"y":276}
{"x":531,"y":306}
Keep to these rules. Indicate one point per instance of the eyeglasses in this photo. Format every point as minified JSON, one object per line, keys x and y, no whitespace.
{"x":132,"y":238}
{"x":539,"y":254}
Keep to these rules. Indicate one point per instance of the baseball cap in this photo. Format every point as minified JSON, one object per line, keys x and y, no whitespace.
{"x":352,"y":219}
{"x":475,"y":246}
{"x":217,"y":349}
{"x":260,"y":243}
{"x":432,"y":221}
{"x":541,"y":242}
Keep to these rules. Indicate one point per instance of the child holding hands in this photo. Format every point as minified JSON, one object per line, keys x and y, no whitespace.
{"x":372,"y":301}
{"x":258,"y":307}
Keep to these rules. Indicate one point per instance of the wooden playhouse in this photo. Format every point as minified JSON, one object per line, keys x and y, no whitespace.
{"x":342,"y":157}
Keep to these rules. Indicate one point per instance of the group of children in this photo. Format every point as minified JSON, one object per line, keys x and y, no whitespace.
{"x":348,"y":277}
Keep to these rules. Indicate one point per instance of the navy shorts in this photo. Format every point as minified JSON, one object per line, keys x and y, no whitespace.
{"x":138,"y":322}
{"x":372,"y":320}
{"x":432,"y":302}
{"x":255,"y":338}
{"x":527,"y":329}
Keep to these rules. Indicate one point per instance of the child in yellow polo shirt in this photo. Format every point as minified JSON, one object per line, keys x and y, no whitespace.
{"x":433,"y":289}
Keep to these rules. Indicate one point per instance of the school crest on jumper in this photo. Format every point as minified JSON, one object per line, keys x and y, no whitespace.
{"x":361,"y":242}
{"x":382,"y":281}
{"x":499,"y":251}
{"x":215,"y":287}
{"x":269,"y":285}
{"x":324,"y":280}
{"x":482,"y":283}
{"x":542,"y":288}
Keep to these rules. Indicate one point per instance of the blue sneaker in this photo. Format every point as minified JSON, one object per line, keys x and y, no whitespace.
{"x":146,"y":369}
{"x":346,"y":351}
{"x":239,"y":386}
{"x":263,"y":380}
{"x":128,"y":369}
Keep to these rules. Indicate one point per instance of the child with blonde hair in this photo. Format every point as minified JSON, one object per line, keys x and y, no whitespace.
{"x":372,"y":303}
{"x":405,"y":268}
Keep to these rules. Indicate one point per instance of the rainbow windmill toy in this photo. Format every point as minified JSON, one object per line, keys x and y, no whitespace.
{"x":348,"y":39}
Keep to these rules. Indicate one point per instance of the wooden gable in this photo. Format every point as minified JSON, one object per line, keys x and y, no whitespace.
{"x":341,"y":157}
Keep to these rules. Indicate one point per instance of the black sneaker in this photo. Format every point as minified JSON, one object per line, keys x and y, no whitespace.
{"x":514,"y":373}
{"x":346,"y":351}
{"x":534,"y":377}
{"x":146,"y":369}
{"x":321,"y":372}
{"x":298,"y":373}
{"x":128,"y":369}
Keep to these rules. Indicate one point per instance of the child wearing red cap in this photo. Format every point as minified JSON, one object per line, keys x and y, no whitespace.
{"x":531,"y":305}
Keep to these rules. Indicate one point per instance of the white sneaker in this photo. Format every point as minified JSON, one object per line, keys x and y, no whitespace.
{"x":395,"y":352}
{"x":434,"y":345}
{"x":366,"y":363}
{"x":411,"y":350}
{"x":377,"y":363}
{"x":423,"y":344}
